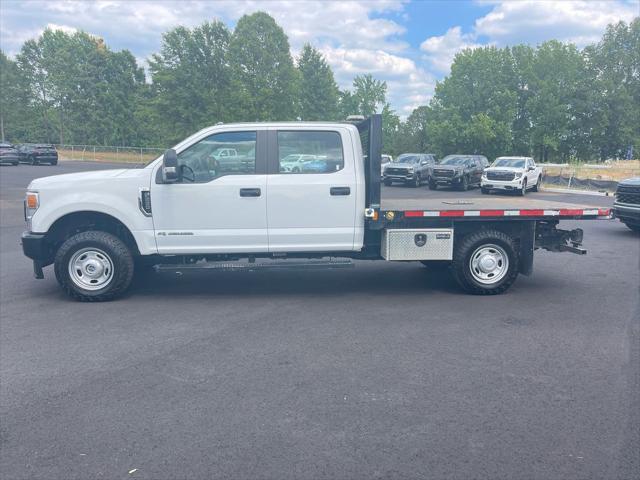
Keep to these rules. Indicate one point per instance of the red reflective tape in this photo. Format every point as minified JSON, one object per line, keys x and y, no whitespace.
{"x":532,"y":213}
{"x":569,"y":211}
{"x":491,"y":213}
{"x":452,"y":213}
{"x":414,"y":214}
{"x":604,"y":212}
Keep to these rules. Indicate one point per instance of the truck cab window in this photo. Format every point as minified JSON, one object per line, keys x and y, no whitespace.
{"x":309,"y":152}
{"x":228,"y":153}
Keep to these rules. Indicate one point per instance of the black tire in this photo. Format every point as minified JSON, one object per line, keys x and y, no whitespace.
{"x":634,"y":227}
{"x":417,"y":181}
{"x":484,"y":190}
{"x":536,"y":187}
{"x":388,"y":182}
{"x":54,"y":162}
{"x":470,"y":245}
{"x":464,"y":184}
{"x":433,"y":185}
{"x":523,"y":191}
{"x":15,"y":164}
{"x":117,"y":252}
{"x":32,"y":160}
{"x":436,"y":265}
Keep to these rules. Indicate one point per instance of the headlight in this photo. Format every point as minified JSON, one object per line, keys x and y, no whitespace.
{"x":31,"y":204}
{"x":410,"y":169}
{"x":517,"y":175}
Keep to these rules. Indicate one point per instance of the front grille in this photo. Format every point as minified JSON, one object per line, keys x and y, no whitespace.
{"x":628,"y":194}
{"x":396,"y":171}
{"x":443,"y":173}
{"x":501,"y":176}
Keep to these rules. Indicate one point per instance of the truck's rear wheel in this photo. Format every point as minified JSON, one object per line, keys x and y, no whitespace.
{"x":433,"y":185}
{"x":94,"y":266}
{"x":485,"y":262}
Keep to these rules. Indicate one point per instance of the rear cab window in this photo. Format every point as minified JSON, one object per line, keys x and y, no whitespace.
{"x":309,"y":152}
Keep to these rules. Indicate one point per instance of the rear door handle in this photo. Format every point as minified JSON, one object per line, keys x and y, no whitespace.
{"x":250,"y":192}
{"x":340,"y":191}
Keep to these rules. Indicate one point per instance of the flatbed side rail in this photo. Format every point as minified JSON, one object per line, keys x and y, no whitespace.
{"x":563,"y":213}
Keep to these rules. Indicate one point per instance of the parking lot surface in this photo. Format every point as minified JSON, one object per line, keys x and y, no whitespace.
{"x":386,"y":370}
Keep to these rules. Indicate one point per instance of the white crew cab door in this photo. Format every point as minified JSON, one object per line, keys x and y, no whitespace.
{"x":218,"y":206}
{"x":313,"y":208}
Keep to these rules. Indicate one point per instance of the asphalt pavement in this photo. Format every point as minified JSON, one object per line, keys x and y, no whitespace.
{"x":386,"y":370}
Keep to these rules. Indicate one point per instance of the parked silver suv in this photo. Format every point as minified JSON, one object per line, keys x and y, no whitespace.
{"x":409,"y":168}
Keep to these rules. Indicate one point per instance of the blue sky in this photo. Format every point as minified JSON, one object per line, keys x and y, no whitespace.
{"x":409,"y":44}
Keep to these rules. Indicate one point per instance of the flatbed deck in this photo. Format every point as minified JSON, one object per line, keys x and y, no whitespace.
{"x":472,"y":204}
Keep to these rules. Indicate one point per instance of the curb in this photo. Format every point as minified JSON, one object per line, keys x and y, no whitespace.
{"x":578,"y":192}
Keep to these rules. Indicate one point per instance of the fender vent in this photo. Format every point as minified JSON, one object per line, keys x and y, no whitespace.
{"x":145,"y":202}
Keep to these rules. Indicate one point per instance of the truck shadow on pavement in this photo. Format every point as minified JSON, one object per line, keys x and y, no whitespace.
{"x":378,"y":281}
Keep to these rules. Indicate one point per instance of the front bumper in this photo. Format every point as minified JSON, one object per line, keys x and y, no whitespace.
{"x":627,"y":212}
{"x":501,"y":184}
{"x":9,"y":159}
{"x":447,"y":180}
{"x":395,"y":177}
{"x":34,"y":247}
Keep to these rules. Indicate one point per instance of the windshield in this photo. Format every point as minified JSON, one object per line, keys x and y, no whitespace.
{"x":407,"y":158}
{"x":454,"y":160}
{"x":509,"y":162}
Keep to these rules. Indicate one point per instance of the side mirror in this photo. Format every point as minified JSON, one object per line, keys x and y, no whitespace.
{"x":423,"y":162}
{"x":531,"y":169}
{"x":170,"y":172}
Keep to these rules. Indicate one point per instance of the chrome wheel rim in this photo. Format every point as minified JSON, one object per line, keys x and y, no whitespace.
{"x":489,"y":264}
{"x":91,"y":269}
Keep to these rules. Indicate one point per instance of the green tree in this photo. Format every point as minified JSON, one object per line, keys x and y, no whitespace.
{"x":264,"y":79}
{"x":191,"y":79}
{"x":318,"y":91}
{"x":81,"y":90}
{"x":613,"y":64}
{"x":369,"y":94}
{"x":13,"y":98}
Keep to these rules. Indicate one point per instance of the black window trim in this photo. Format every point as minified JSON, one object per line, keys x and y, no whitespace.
{"x":273,"y":160}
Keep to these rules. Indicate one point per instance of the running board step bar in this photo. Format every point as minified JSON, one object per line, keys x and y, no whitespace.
{"x":258,"y":265}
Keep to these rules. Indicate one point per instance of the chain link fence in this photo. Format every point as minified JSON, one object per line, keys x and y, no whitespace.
{"x":99,"y":153}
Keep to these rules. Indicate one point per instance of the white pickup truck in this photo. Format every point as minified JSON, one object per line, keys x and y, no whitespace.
{"x":517,"y":174}
{"x":188,"y":210}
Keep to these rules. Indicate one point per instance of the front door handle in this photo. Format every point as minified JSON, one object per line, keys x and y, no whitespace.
{"x":250,"y":192}
{"x":340,"y":191}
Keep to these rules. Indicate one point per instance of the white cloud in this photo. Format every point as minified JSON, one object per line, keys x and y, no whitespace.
{"x":408,"y":86}
{"x":530,"y":21}
{"x":352,"y":32}
{"x":440,"y":51}
{"x":580,"y":21}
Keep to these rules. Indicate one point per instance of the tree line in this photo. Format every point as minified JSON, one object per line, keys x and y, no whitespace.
{"x":552,"y":101}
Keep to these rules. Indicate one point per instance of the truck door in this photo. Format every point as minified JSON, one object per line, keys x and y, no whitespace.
{"x":218,"y":205}
{"x":313,"y":209}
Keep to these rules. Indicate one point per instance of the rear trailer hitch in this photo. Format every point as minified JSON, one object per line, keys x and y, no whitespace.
{"x":556,"y":240}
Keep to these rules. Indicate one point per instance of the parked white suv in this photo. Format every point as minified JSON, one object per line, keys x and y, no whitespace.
{"x":512,"y":174}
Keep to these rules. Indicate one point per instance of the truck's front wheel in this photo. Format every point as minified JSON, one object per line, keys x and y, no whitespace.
{"x":485,"y":262}
{"x":94,"y":266}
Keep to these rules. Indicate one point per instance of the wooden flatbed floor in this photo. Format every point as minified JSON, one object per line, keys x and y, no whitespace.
{"x":474,"y":203}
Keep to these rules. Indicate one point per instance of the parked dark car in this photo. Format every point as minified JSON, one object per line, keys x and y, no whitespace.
{"x":8,"y":154}
{"x":36,"y":153}
{"x":627,"y":204}
{"x":409,"y":168}
{"x":460,"y":171}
